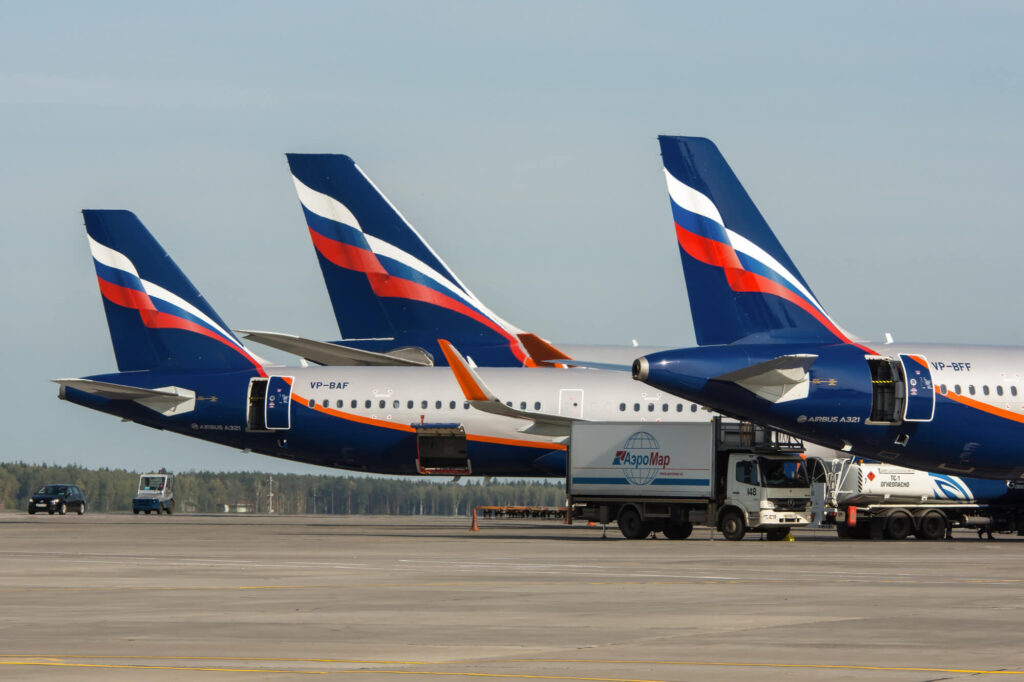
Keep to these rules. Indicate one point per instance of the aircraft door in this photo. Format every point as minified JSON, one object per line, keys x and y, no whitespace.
{"x":278,"y":403}
{"x":570,"y":402}
{"x":920,"y":404}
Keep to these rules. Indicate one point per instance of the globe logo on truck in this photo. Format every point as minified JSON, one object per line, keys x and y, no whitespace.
{"x":641,"y":459}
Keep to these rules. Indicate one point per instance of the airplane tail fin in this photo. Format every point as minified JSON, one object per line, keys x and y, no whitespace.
{"x":740,"y":281}
{"x":383,"y":278}
{"x":157,"y":318}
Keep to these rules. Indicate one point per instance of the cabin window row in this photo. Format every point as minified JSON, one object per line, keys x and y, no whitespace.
{"x":410,"y":404}
{"x":651,"y":407}
{"x":971,"y":390}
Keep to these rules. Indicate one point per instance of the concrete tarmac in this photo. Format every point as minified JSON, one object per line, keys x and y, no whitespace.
{"x":116,"y":597}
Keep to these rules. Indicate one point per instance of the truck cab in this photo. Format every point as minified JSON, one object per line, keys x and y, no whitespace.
{"x":155,"y":494}
{"x":767,"y":492}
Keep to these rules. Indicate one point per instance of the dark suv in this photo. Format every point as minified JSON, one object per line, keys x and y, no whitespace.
{"x":59,"y":498}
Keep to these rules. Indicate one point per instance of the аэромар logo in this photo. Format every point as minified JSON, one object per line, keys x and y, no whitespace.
{"x":641,"y":458}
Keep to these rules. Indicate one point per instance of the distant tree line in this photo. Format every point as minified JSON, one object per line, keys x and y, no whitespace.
{"x":112,"y":490}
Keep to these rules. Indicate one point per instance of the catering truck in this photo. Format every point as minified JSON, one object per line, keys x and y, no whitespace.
{"x":866,"y":499}
{"x":155,"y":494}
{"x":667,"y":478}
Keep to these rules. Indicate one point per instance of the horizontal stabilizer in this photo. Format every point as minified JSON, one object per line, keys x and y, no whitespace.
{"x":606,"y":366}
{"x":779,"y":380}
{"x":166,"y":400}
{"x":323,"y":353}
{"x":481,"y":398}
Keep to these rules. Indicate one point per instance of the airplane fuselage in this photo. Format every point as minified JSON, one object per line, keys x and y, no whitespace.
{"x":953,"y":409}
{"x":366,"y":418}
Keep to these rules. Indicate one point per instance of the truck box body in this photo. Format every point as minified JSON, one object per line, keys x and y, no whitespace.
{"x":648,"y":460}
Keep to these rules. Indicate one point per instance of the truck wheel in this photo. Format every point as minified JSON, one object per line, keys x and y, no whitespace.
{"x":898,"y":525}
{"x":31,"y":510}
{"x":776,"y":534}
{"x":81,"y":509}
{"x":932,"y":526}
{"x":63,"y":509}
{"x":135,"y":511}
{"x":677,"y":531}
{"x":170,"y":507}
{"x":842,"y":530}
{"x":157,"y":510}
{"x":147,"y":511}
{"x":732,"y":525}
{"x":631,"y":525}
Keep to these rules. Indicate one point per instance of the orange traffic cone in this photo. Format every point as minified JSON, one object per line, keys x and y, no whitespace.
{"x":474,"y":526}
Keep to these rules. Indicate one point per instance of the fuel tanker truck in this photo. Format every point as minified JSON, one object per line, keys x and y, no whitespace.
{"x":865,"y":499}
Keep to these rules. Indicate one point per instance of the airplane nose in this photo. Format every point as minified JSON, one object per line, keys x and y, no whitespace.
{"x":640,"y":369}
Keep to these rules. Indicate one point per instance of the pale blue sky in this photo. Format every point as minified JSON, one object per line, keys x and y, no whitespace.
{"x":882,"y":141}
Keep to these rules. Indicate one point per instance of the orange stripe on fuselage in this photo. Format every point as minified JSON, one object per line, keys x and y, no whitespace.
{"x":384,"y":424}
{"x":984,"y":407}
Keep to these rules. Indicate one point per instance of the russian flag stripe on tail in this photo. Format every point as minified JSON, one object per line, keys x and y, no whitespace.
{"x":374,"y":260}
{"x":740,"y":282}
{"x":157,"y":318}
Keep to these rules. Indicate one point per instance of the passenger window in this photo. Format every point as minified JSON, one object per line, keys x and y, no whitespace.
{"x":327,"y":403}
{"x":956,"y":389}
{"x":382,"y":404}
{"x":679,"y":407}
{"x":536,"y":406}
{"x":664,"y":407}
{"x":509,"y":403}
{"x":999,"y":390}
{"x":942,"y":389}
{"x":693,"y":407}
{"x":1013,"y":391}
{"x":522,"y":404}
{"x":409,"y":405}
{"x":451,"y":405}
{"x":650,"y":407}
{"x":437,"y":404}
{"x":984,"y":389}
{"x":970,"y":389}
{"x":354,"y":404}
{"x":746,"y":472}
{"x":312,"y":402}
{"x":636,"y":407}
{"x":340,"y":404}
{"x":423,"y":405}
{"x":465,"y":405}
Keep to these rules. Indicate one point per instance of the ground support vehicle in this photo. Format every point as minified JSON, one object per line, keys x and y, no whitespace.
{"x":864,"y":499}
{"x":155,"y":494}
{"x":667,"y":478}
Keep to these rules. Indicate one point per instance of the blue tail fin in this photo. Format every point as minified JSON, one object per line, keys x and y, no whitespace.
{"x":740,"y":282}
{"x":384,"y":280}
{"x":157,"y":319}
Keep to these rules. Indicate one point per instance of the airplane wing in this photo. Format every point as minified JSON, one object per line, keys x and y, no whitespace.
{"x":779,"y":380}
{"x":167,"y":400}
{"x":542,"y":352}
{"x":323,"y":353}
{"x":481,"y":397}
